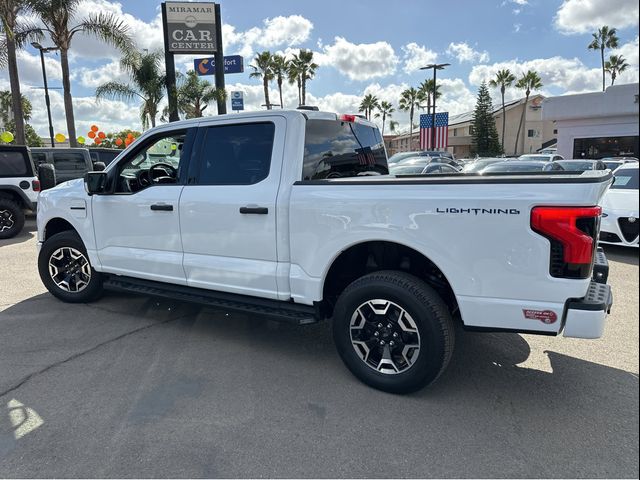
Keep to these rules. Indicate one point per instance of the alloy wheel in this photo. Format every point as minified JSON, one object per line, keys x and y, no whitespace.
{"x":7,"y":221}
{"x":69,"y":269}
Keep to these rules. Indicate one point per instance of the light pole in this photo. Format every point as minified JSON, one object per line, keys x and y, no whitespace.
{"x":46,"y":87}
{"x":435,"y":67}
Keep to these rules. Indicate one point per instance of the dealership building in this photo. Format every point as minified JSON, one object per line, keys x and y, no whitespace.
{"x":596,"y":125}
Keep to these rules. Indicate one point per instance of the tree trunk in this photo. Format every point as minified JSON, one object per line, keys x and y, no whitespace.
{"x":68,"y":102}
{"x":515,"y":151}
{"x":602,"y":59}
{"x":280,"y":90}
{"x":304,"y":91}
{"x":613,"y":77}
{"x":299,"y":91}
{"x":265,"y":84}
{"x":504,"y":118}
{"x":411,"y":129}
{"x":384,"y":117}
{"x":16,"y":97}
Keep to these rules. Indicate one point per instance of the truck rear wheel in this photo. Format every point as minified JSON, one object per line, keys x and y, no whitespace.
{"x":65,"y":269}
{"x":11,"y":218}
{"x":393,"y":331}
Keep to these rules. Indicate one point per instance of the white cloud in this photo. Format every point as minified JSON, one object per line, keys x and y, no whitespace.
{"x":362,"y":61}
{"x":465,"y":53}
{"x":456,"y":96}
{"x":584,"y":16}
{"x":275,"y":32}
{"x":630,"y":52}
{"x":109,"y":72}
{"x":416,"y":56}
{"x":568,"y":75}
{"x":30,"y":68}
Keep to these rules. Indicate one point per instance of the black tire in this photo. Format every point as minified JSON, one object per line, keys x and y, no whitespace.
{"x":11,"y":218}
{"x":424,"y":308}
{"x":65,"y":246}
{"x":47,"y":176}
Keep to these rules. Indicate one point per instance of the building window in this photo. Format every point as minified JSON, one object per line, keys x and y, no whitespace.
{"x":531,"y":133}
{"x":470,"y":129}
{"x":555,"y":131}
{"x":455,"y":132}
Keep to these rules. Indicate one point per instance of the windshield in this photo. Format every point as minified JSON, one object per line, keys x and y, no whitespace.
{"x":626,"y":179}
{"x":535,"y":158}
{"x":406,"y":170}
{"x":399,"y":156}
{"x":478,"y":165}
{"x":511,"y":167}
{"x":577,"y":166}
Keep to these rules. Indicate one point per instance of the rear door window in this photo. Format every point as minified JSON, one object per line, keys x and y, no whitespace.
{"x":69,"y":161}
{"x":236,"y":154}
{"x":13,"y":164}
{"x":336,"y":149}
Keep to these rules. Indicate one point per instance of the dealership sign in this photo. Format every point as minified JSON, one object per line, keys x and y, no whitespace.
{"x":191,"y":27}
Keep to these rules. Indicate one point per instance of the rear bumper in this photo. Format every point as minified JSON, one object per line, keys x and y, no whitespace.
{"x":585,"y":317}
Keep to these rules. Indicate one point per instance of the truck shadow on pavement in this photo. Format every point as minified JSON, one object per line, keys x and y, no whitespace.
{"x":166,"y":358}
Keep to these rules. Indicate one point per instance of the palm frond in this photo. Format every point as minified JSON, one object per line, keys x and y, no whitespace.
{"x":117,"y":91}
{"x":108,"y":28}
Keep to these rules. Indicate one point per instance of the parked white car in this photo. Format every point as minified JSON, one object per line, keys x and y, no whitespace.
{"x":620,"y":209}
{"x":540,"y":157}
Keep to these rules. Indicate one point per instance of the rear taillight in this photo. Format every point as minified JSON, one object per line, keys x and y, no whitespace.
{"x":35,"y":185}
{"x":572,"y":232}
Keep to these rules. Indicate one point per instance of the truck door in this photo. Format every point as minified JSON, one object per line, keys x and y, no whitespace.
{"x":228,"y":207}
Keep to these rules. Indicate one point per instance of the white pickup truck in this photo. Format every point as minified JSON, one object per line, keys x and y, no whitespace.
{"x":292,"y":215}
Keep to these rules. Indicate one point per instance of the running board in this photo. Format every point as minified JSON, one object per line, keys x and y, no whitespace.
{"x":273,"y":309}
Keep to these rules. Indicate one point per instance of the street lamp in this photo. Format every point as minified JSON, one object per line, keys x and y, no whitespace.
{"x":435,"y":67}
{"x":42,"y":49}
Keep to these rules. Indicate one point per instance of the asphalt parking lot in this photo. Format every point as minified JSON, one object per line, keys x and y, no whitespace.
{"x":138,"y":387}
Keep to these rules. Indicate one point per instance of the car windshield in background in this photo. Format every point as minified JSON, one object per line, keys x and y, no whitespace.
{"x":400,"y":156}
{"x":515,"y":167}
{"x":337,"y":149}
{"x":626,"y":179}
{"x":406,"y":170}
{"x":535,"y":158}
{"x":12,"y":164}
{"x":577,"y":165}
{"x":479,"y":165}
{"x":613,"y":164}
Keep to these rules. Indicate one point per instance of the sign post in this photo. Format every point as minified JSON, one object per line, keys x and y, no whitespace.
{"x":191,"y":27}
{"x":237,"y":101}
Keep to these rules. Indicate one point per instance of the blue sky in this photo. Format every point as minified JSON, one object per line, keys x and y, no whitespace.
{"x":362,"y":47}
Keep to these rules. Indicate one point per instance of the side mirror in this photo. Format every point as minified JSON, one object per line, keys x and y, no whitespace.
{"x":47,"y":176}
{"x":95,"y":182}
{"x":98,"y":166}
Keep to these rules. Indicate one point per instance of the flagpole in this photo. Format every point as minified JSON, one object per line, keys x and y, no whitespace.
{"x":435,"y":67}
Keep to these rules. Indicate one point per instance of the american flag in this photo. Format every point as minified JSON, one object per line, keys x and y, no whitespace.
{"x":442,"y":131}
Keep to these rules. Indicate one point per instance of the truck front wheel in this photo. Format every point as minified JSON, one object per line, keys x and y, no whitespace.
{"x":393,"y":331}
{"x":65,"y":269}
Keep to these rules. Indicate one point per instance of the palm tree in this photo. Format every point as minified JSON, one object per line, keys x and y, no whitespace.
{"x":280,"y":70}
{"x":529,"y":81}
{"x":307,"y":70}
{"x":195,"y":94}
{"x":503,"y":79}
{"x":58,"y":18}
{"x":605,"y":37}
{"x":294,"y":70}
{"x":615,"y":65}
{"x":368,"y":103}
{"x":14,"y":34}
{"x":426,"y":88}
{"x":393,"y":125}
{"x":384,"y":110}
{"x":410,"y":100}
{"x":147,"y":84}
{"x":263,"y":68}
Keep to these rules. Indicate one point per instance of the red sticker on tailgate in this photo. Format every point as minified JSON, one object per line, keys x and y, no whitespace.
{"x":545,"y":316}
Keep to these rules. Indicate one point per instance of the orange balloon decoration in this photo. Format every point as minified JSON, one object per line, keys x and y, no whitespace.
{"x":94,"y":128}
{"x":102,"y":135}
{"x":127,"y":142}
{"x":97,"y":141}
{"x":118,"y":141}
{"x":91,"y":134}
